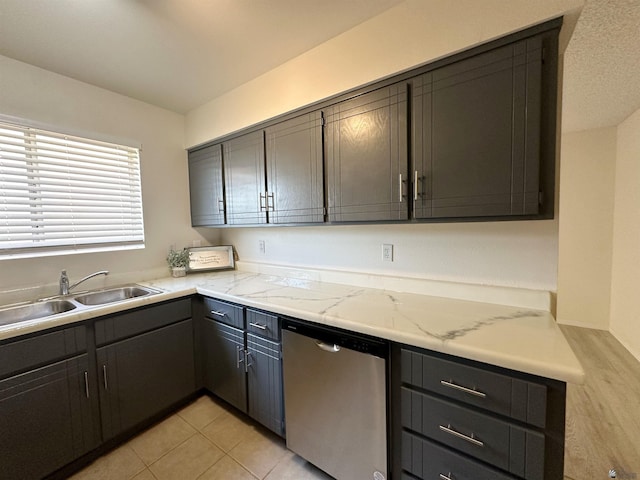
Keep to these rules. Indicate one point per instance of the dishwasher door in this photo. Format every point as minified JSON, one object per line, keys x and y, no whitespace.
{"x":335,"y":405}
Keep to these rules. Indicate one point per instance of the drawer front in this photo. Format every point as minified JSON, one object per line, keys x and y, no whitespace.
{"x":126,"y":325}
{"x":263,"y":324}
{"x":512,"y":397}
{"x":224,"y":312}
{"x":428,"y":460}
{"x":509,"y":447}
{"x":20,"y":355}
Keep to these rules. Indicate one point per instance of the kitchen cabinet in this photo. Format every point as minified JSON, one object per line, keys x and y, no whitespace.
{"x":367,"y":156}
{"x":465,"y":420}
{"x":206,"y":188}
{"x":295,"y":191}
{"x":476,"y":134}
{"x":243,"y":361}
{"x":244,"y":178}
{"x":47,"y":405}
{"x":145,"y":364}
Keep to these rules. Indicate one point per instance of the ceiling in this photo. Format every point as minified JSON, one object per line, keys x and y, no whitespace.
{"x":135,"y":47}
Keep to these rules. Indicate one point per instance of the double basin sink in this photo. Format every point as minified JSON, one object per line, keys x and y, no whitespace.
{"x":41,"y":309}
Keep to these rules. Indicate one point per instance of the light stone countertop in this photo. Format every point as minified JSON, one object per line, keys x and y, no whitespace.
{"x":522,"y":339}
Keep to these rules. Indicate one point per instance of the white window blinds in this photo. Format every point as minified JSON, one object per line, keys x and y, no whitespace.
{"x":60,"y":194}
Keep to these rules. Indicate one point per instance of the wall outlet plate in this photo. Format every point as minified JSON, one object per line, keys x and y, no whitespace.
{"x":387,"y":252}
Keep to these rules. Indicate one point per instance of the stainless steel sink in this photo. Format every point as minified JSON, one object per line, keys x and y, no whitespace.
{"x":112,"y":295}
{"x":32,"y":311}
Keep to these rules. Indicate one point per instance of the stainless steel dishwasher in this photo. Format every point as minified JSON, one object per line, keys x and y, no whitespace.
{"x":336,"y":400}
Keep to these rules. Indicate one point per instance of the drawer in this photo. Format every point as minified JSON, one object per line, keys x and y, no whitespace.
{"x":263,"y":324}
{"x":141,"y":320}
{"x":500,"y":443}
{"x":20,"y":355}
{"x":513,"y":397}
{"x":224,"y":312}
{"x":428,"y":460}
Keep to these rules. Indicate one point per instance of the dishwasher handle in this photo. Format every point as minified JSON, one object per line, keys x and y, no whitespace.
{"x":327,"y":347}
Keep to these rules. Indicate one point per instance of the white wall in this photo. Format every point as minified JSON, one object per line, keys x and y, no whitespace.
{"x":41,"y":96}
{"x":625,"y":285}
{"x":522,"y":254}
{"x":412,"y":33}
{"x":587,"y":179}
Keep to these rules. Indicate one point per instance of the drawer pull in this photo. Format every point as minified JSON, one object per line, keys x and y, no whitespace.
{"x":257,"y":325}
{"x":470,"y":391}
{"x":470,"y":439}
{"x":446,"y":477}
{"x":219,"y":314}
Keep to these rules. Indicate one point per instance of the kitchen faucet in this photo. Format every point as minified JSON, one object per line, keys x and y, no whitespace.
{"x":64,"y":280}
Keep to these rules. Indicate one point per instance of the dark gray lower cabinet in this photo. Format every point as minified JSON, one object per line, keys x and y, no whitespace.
{"x":464,"y":420}
{"x":224,"y":363}
{"x":144,"y":375}
{"x":46,"y":419}
{"x":242,"y":367}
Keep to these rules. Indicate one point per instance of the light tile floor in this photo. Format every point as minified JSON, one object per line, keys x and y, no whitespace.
{"x":205,"y":441}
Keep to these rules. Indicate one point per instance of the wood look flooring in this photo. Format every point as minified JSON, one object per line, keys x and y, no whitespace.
{"x":603,"y":414}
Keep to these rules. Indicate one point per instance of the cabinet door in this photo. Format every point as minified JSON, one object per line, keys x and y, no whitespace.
{"x":205,"y":187}
{"x":244,"y":177}
{"x":367,"y":158}
{"x":224,"y":369}
{"x":46,"y":419}
{"x":294,"y":170}
{"x":144,"y":375}
{"x":264,"y":368}
{"x":476,"y":134}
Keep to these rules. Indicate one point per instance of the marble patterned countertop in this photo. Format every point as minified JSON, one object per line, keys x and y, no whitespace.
{"x":518,"y":338}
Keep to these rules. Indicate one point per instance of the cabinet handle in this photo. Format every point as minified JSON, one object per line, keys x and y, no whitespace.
{"x":272,"y":207}
{"x":257,"y":325}
{"x":220,"y":206}
{"x":262,"y":197}
{"x":218,"y":314}
{"x":415,"y":185}
{"x":239,"y":356}
{"x":104,"y":377}
{"x":446,"y":477}
{"x":247,"y":361}
{"x":470,"y":439}
{"x":460,"y":388}
{"x":86,"y":384}
{"x":400,"y":188}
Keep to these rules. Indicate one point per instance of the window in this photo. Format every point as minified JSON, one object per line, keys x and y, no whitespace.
{"x":65,"y":194}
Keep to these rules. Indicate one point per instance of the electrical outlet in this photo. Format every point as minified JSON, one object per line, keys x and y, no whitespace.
{"x":387,"y":252}
{"x":262,"y":247}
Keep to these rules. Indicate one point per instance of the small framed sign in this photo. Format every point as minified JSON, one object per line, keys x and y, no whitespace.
{"x":210,"y":258}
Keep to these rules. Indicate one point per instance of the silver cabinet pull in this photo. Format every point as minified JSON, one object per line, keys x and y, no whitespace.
{"x":331,"y":348}
{"x":104,"y":377}
{"x":415,"y":185}
{"x":218,"y":314}
{"x":470,"y":439}
{"x":460,"y":388}
{"x":239,"y":356}
{"x":446,"y":477}
{"x":272,"y":207}
{"x":257,"y":325}
{"x":263,"y":199}
{"x":220,"y":206}
{"x":86,"y":384}
{"x":247,"y":361}
{"x":400,"y":188}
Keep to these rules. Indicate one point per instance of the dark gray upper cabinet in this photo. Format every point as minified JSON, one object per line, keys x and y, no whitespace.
{"x":244,"y":177}
{"x":206,"y":187}
{"x":367,"y":157}
{"x":476,"y":135}
{"x":294,"y":170}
